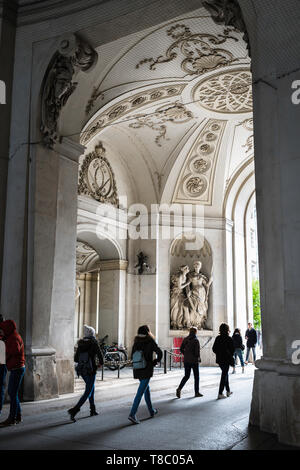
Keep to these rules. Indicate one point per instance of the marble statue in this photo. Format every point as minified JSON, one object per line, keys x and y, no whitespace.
{"x":189,"y":297}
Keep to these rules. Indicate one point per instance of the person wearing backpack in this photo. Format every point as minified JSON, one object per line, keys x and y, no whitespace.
{"x":85,"y":357}
{"x":143,"y":364}
{"x":190,"y":349}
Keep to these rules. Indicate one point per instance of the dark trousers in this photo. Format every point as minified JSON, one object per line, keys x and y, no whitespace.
{"x":89,"y":391}
{"x":188,"y":366}
{"x":15,"y":380}
{"x":224,"y":378}
{"x":3,"y":372}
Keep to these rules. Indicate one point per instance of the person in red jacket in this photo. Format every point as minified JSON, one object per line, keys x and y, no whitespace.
{"x":15,"y":362}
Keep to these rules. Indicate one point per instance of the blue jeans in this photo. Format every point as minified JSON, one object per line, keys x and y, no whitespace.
{"x":15,"y":380}
{"x":3,"y":372}
{"x":188,"y":366}
{"x":89,"y":390}
{"x":143,"y":389}
{"x":253,"y":352}
{"x":239,"y":353}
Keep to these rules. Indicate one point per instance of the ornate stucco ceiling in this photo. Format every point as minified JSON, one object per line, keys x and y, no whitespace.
{"x":171,"y":102}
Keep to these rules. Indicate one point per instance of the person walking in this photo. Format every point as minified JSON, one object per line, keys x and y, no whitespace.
{"x":224,"y":349}
{"x":15,"y":363}
{"x":85,"y":357}
{"x":143,"y":364}
{"x":190,"y":348}
{"x":238,"y":349}
{"x":251,"y":337}
{"x":3,"y":369}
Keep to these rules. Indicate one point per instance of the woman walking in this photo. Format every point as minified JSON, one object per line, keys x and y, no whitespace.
{"x":142,"y":356}
{"x":238,"y":349}
{"x":85,"y":356}
{"x":15,"y":363}
{"x":224,"y":349}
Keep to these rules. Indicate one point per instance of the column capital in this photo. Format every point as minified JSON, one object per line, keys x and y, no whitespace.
{"x":69,"y":149}
{"x":113,"y":265}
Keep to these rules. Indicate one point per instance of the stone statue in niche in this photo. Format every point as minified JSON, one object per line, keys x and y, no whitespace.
{"x":189,"y":297}
{"x":179,"y":307}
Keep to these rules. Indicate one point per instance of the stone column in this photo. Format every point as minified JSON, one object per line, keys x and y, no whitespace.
{"x":112,"y":300}
{"x":276,"y":396}
{"x":8,"y":11}
{"x":49,"y":332}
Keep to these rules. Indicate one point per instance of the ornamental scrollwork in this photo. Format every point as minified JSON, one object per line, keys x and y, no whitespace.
{"x":176,"y":113}
{"x":73,"y":55}
{"x":229,"y":13}
{"x":96,"y":178}
{"x":199,"y":50}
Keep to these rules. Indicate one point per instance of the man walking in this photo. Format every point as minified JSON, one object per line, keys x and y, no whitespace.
{"x":251,"y":338}
{"x":3,"y":369}
{"x":190,"y":349}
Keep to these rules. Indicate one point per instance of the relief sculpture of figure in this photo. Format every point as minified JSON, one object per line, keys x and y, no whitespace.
{"x":189,"y":297}
{"x":197,"y":294}
{"x":179,"y":309}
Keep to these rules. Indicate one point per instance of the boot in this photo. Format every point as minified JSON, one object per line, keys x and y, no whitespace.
{"x":93,"y":411}
{"x":19,"y":418}
{"x":178,"y":392}
{"x":8,"y":422}
{"x":233,"y":371}
{"x":72,"y":412}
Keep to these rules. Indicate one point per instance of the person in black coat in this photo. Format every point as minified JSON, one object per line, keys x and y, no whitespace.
{"x":251,"y":338}
{"x":190,"y":348}
{"x":144,"y":342}
{"x":85,"y":357}
{"x":238,"y":348}
{"x":224,"y":349}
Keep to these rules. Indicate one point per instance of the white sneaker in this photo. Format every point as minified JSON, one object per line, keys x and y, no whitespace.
{"x":220,"y":396}
{"x":229,"y":393}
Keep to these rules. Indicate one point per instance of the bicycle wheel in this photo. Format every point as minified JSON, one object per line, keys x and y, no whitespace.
{"x":113,"y":360}
{"x":123,"y":357}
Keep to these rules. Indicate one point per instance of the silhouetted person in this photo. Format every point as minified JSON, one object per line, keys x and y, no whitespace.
{"x":224,"y":349}
{"x":190,"y":348}
{"x":251,"y":338}
{"x":85,"y":356}
{"x":3,"y":368}
{"x":15,"y":363}
{"x":143,"y":364}
{"x":238,"y":348}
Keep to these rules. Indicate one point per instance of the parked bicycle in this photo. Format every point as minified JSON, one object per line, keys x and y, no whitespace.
{"x":115,"y":356}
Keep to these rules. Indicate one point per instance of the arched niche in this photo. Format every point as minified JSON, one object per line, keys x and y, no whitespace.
{"x":185,"y":250}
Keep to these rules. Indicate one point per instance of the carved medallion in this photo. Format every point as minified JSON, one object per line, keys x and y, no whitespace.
{"x":229,"y":92}
{"x":96,"y":178}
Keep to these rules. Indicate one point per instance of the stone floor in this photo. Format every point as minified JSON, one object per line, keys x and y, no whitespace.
{"x":186,"y":424}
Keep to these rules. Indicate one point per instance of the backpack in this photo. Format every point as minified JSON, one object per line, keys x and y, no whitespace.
{"x":138,"y":360}
{"x":84,"y":366}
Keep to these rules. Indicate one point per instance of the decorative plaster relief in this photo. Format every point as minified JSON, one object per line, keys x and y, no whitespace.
{"x":73,"y":55}
{"x":229,"y":92}
{"x":199,"y":50}
{"x":96,"y":178}
{"x":195,"y":183}
{"x":127,"y":106}
{"x":86,"y":257}
{"x":175,"y":113}
{"x":229,"y":13}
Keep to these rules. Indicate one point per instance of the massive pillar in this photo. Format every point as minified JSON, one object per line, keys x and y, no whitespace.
{"x":276,"y":395}
{"x":49,"y":330}
{"x":8,"y":11}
